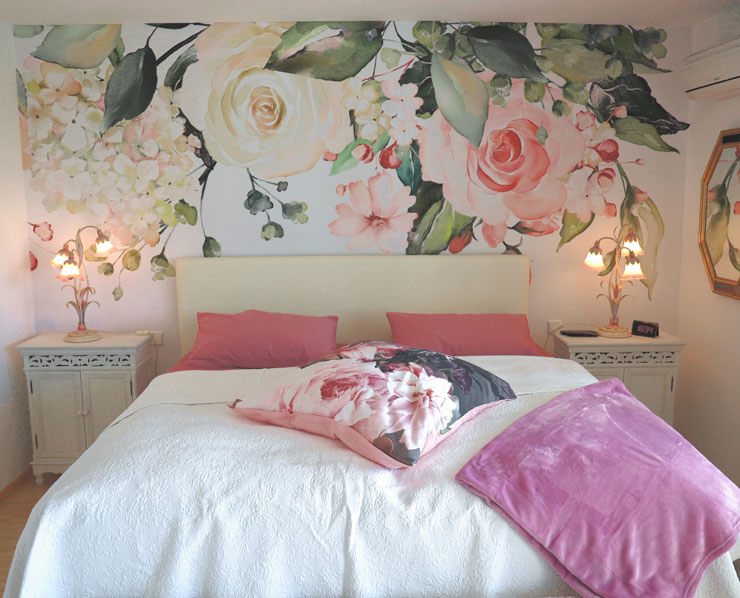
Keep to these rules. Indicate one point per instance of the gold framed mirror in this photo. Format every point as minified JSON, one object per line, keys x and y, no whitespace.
{"x":719,"y":216}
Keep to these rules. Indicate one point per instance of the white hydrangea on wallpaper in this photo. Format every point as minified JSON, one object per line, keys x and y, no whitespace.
{"x":418,"y":137}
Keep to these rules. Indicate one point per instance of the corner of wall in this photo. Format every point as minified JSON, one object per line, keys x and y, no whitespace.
{"x":16,"y":312}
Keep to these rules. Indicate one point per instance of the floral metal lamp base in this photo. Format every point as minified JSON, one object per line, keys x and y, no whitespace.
{"x":81,"y":336}
{"x":614,"y":331}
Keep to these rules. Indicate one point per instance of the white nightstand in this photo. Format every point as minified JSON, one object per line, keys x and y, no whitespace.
{"x":76,"y":389}
{"x":647,"y":366}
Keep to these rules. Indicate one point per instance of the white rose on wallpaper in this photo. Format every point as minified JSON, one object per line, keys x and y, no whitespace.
{"x":275,"y":124}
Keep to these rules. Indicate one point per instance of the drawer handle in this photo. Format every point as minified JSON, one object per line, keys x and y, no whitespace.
{"x":82,"y":413}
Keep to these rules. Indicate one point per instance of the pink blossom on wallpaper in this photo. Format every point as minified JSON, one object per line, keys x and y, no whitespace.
{"x":377,"y":214}
{"x":33,"y":260}
{"x":43,"y":230}
{"x":421,"y":405}
{"x":511,"y":172}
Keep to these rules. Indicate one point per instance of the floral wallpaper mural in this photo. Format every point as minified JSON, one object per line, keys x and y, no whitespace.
{"x":416,"y":137}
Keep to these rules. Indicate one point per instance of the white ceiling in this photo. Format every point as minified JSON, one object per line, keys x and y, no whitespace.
{"x":639,"y":12}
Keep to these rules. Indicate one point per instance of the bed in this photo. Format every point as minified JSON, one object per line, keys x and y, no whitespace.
{"x":179,"y":497}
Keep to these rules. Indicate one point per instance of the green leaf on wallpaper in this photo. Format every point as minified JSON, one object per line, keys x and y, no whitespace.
{"x":390,"y":57}
{"x":534,"y":91}
{"x":461,"y":96}
{"x":327,"y":50}
{"x":644,"y":218}
{"x":576,"y":92}
{"x":130,"y":88}
{"x":173,"y":76}
{"x":272,"y":230}
{"x":78,"y":46}
{"x":117,"y":293}
{"x":257,"y":202}
{"x":427,"y":32}
{"x":505,"y":52}
{"x":295,"y":211}
{"x":409,"y":172}
{"x":634,"y":94}
{"x":734,"y":253}
{"x":27,"y":30}
{"x":184,"y":212}
{"x":572,"y":227}
{"x":717,"y":223}
{"x":131,"y":260}
{"x":632,"y":130}
{"x":445,"y":46}
{"x":20,"y":88}
{"x":574,"y":62}
{"x":436,"y":224}
{"x":211,"y":247}
{"x":117,"y":53}
{"x":560,"y":108}
{"x":106,"y":269}
{"x":162,"y":266}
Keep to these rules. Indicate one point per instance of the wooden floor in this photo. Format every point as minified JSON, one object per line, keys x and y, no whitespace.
{"x":15,"y":506}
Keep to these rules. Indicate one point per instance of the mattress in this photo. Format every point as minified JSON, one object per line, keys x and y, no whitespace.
{"x":181,"y":497}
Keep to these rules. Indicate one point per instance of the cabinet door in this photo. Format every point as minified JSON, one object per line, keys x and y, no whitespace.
{"x":105,"y":395}
{"x":654,"y":388}
{"x":56,"y":413}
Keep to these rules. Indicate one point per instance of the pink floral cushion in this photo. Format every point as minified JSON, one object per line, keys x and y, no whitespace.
{"x":465,"y":334}
{"x":259,"y":339}
{"x":389,"y":403}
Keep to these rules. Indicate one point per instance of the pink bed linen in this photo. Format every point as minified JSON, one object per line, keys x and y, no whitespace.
{"x":617,"y":501}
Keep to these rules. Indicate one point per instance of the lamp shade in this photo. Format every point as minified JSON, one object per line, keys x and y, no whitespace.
{"x":632,"y":243}
{"x":70,"y":269}
{"x":594,"y":260}
{"x":632,"y":270}
{"x":58,"y":260}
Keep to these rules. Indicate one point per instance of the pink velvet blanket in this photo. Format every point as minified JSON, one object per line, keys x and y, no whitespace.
{"x":615,"y":499}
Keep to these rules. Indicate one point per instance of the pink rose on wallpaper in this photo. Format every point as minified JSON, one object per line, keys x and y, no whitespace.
{"x":511,"y":172}
{"x":421,"y":405}
{"x":376,"y":214}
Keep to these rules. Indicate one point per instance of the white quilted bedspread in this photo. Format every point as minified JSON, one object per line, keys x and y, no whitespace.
{"x":181,"y":497}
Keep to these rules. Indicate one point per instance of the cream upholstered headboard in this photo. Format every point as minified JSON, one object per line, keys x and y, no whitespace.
{"x":357,"y":288}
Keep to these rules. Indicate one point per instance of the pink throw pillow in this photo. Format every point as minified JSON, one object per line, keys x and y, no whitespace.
{"x":258,"y":339}
{"x":465,"y":334}
{"x":388,"y":403}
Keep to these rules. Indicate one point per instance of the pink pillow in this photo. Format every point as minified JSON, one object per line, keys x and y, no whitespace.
{"x":465,"y":334}
{"x":388,"y":403}
{"x":259,"y":339}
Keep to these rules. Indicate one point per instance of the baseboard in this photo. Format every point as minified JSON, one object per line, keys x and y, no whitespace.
{"x":25,"y":474}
